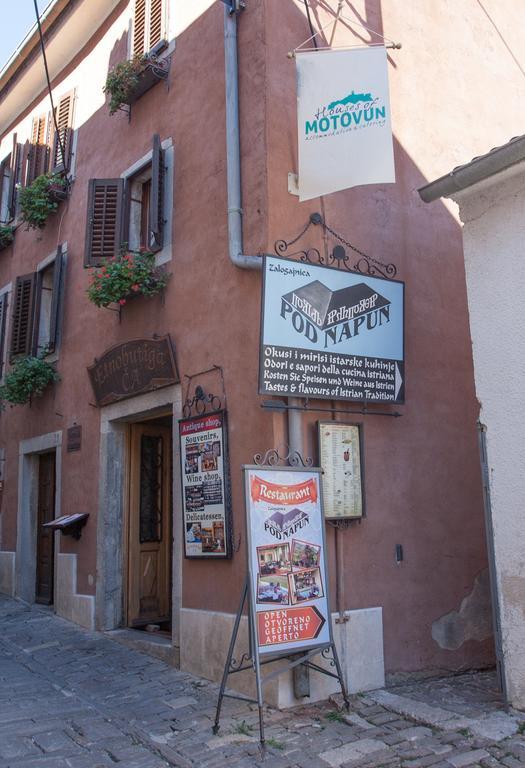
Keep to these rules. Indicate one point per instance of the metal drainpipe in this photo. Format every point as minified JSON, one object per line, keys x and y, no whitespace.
{"x":238,"y":258}
{"x":233,"y":152}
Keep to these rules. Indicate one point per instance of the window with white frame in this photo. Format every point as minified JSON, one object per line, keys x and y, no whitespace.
{"x":134,"y":211}
{"x":37,"y":309}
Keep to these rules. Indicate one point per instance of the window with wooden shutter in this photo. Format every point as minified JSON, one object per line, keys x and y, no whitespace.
{"x":63,"y":140}
{"x":156,"y":202}
{"x":104,"y":220}
{"x":38,"y":154}
{"x":148,"y":25}
{"x":3,"y":318}
{"x":5,"y":184}
{"x":156,"y":25}
{"x":15,"y":177}
{"x":23,"y":312}
{"x":47,"y":305}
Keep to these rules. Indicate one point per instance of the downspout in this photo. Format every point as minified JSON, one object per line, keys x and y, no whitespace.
{"x":238,"y":258}
{"x":233,"y":151}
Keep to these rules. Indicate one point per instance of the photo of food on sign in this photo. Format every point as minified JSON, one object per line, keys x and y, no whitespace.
{"x":287,"y":563}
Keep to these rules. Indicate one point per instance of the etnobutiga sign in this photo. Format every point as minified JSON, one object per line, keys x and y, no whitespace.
{"x":343,"y":120}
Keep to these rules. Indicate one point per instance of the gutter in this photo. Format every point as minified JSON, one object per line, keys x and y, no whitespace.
{"x":233,"y":151}
{"x":30,"y":41}
{"x":479,"y":169}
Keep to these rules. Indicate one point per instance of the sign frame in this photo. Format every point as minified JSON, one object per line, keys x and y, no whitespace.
{"x":290,"y":264}
{"x":308,"y":645}
{"x":225,"y":486}
{"x":153,"y":384}
{"x":341,"y":426}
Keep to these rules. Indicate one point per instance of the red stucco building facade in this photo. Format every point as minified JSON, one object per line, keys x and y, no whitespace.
{"x":423,"y":487}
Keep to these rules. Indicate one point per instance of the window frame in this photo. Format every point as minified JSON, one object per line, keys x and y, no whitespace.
{"x":58,"y":257}
{"x":164,"y":254}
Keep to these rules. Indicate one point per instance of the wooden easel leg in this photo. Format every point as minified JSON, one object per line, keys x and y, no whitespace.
{"x":226,"y":672}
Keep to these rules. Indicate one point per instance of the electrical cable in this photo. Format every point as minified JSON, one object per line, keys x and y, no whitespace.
{"x":309,"y":22}
{"x":53,"y":112}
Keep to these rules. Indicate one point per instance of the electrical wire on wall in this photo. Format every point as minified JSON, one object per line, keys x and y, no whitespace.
{"x":53,"y":111}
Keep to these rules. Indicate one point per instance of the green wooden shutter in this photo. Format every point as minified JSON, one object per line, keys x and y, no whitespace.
{"x":104,"y":220}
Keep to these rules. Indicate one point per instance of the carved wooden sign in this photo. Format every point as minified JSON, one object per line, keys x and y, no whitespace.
{"x":132,"y":368}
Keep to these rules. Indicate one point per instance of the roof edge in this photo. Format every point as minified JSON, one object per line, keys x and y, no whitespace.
{"x":30,"y":41}
{"x":477,"y":170}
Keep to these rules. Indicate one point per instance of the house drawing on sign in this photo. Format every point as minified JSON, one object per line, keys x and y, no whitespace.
{"x":352,"y":98}
{"x":283,"y":521}
{"x":326,"y":308}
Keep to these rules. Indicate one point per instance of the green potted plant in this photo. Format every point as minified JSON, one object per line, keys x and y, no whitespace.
{"x":28,"y":378}
{"x":130,"y":274}
{"x":129,"y":80}
{"x":41,"y":198}
{"x":7,"y":235}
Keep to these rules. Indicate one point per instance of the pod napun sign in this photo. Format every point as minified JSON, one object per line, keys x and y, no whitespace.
{"x":343,"y":120}
{"x":331,"y":334}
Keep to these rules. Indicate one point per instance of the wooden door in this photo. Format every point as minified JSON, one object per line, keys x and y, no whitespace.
{"x":45,"y":538}
{"x":149,"y":550}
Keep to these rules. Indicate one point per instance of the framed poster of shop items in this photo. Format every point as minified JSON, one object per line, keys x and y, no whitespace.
{"x":341,"y":459}
{"x":206,"y":496}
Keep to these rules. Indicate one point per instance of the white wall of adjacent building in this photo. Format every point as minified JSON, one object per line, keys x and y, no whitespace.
{"x":493,"y":214}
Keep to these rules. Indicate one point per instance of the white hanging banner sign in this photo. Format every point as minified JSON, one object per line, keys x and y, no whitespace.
{"x":345,"y":135}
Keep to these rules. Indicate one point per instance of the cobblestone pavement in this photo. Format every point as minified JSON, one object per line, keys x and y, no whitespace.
{"x":76,"y":699}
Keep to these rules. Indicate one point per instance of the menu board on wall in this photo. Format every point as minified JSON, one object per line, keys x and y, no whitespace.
{"x":340,"y":457}
{"x":287,"y":562}
{"x":205,"y":485}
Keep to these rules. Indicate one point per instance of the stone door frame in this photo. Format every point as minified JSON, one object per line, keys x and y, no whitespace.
{"x":25,"y":562}
{"x":112,"y":508}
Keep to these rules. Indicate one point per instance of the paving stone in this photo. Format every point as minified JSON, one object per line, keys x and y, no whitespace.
{"x":14,"y":746}
{"x":352,"y":751}
{"x":355,"y":719}
{"x":93,"y":702}
{"x":467,"y":758}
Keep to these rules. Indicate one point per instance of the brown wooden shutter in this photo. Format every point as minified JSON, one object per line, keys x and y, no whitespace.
{"x":139,"y":28}
{"x":155,"y":23}
{"x":104,"y":220}
{"x":3,"y":315}
{"x":64,"y":114}
{"x":16,"y":169}
{"x":156,"y":203}
{"x":3,"y":165}
{"x":23,"y":315}
{"x":58,"y":287}
{"x":38,"y":155}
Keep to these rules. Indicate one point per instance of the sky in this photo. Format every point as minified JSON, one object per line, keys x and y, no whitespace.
{"x":18,"y":16}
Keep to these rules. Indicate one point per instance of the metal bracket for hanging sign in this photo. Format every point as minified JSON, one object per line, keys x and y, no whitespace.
{"x":387,"y":43}
{"x":235,"y":6}
{"x":280,"y":405}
